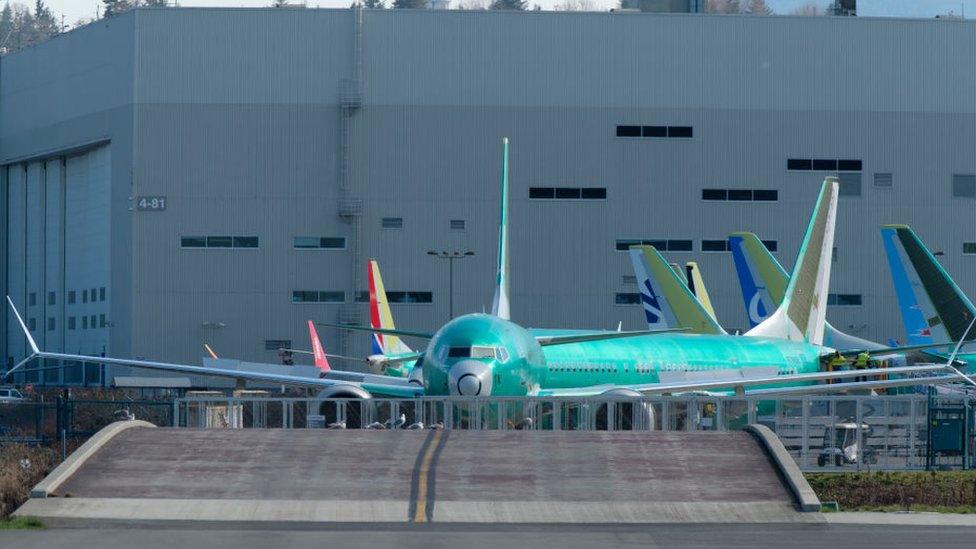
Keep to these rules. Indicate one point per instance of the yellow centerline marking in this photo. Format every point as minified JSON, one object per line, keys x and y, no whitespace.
{"x":420,"y":515}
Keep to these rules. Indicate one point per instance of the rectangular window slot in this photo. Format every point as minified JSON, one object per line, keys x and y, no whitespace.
{"x":883,"y":179}
{"x":628,"y":131}
{"x":216,"y":242}
{"x":662,"y":245}
{"x":799,"y":164}
{"x":655,"y":131}
{"x":969,"y":247}
{"x":771,"y":245}
{"x":741,"y":195}
{"x":823,"y":164}
{"x":844,"y":300}
{"x":316,"y":296}
{"x":72,"y":297}
{"x":714,"y":245}
{"x":71,"y":322}
{"x":627,"y":298}
{"x":680,"y":131}
{"x":715,"y":194}
{"x":849,"y":165}
{"x":392,"y":223}
{"x":276,"y":344}
{"x":568,"y":193}
{"x":457,"y":224}
{"x":319,"y":242}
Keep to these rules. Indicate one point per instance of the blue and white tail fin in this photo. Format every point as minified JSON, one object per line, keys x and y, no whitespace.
{"x":499,"y":305}
{"x":667,"y":301}
{"x":802,"y":314}
{"x":933,"y":307}
{"x":762,"y":279}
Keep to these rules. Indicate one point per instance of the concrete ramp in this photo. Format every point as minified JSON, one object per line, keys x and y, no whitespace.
{"x":422,"y":476}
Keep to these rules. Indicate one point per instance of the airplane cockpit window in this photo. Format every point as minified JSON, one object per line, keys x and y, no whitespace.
{"x":459,"y":352}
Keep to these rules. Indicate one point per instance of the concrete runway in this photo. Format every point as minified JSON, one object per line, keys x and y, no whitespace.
{"x":711,"y":536}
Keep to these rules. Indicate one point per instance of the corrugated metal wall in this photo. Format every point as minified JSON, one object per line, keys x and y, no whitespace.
{"x":234,"y":116}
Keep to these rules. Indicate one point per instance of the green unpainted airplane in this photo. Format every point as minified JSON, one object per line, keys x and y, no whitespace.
{"x":489,"y":355}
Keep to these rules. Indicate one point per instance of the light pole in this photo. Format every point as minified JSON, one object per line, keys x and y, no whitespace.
{"x":450,"y":257}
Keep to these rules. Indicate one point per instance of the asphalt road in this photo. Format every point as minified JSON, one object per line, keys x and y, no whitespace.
{"x":712,"y":536}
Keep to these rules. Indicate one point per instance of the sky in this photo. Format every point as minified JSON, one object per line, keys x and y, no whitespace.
{"x":73,"y":10}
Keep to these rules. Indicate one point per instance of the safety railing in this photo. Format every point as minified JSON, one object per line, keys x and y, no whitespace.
{"x":821,"y":432}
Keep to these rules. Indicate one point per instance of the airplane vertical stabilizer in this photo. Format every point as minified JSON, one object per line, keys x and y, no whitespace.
{"x":697,"y":286}
{"x":802,"y":314}
{"x":761,"y":278}
{"x":953,"y":311}
{"x":763,"y":281}
{"x":499,"y":305}
{"x":667,"y":301}
{"x":380,"y":315}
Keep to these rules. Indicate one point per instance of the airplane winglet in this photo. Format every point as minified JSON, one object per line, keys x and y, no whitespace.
{"x":30,"y":339}
{"x":317,"y":351}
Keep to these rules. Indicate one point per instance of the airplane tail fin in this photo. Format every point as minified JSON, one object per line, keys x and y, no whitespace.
{"x":317,"y":351}
{"x":943,"y":305}
{"x":762,"y":279}
{"x":802,"y":314}
{"x":380,"y":315}
{"x":697,"y":286}
{"x":667,"y":301}
{"x":499,"y":305}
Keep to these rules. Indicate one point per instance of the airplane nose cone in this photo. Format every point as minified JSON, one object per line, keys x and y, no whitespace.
{"x":470,"y":378}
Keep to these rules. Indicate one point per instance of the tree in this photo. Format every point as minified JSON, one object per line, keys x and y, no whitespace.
{"x":155,"y":3}
{"x":374,"y":4}
{"x":759,"y":7}
{"x":410,"y":4}
{"x":507,"y":5}
{"x":45,"y":25}
{"x":115,"y":7}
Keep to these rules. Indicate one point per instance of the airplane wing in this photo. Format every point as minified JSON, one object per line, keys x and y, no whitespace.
{"x":394,"y":387}
{"x":743,"y":378}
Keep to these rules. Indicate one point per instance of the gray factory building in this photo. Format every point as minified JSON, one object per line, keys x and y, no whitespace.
{"x":175,"y":177}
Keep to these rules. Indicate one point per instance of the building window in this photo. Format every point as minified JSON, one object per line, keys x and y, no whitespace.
{"x":628,"y":131}
{"x":741,"y":195}
{"x":969,"y":247}
{"x":823,"y":164}
{"x":84,"y":322}
{"x":662,"y":245}
{"x":101,"y":293}
{"x":715,"y":194}
{"x":216,"y":242}
{"x":771,"y":245}
{"x":320,"y":242}
{"x":72,"y":297}
{"x":844,"y":299}
{"x":882,"y":179}
{"x":409,"y":297}
{"x":314,"y":296}
{"x":392,"y":223}
{"x":92,"y":323}
{"x":31,"y":299}
{"x":457,"y":224}
{"x":101,"y":321}
{"x":276,"y":344}
{"x":714,"y":245}
{"x":568,"y":193}
{"x":84,"y":296}
{"x":50,"y":323}
{"x":71,"y":323}
{"x":964,"y":185}
{"x":849,"y":184}
{"x":51,"y":298}
{"x":680,"y":132}
{"x":626,"y":298}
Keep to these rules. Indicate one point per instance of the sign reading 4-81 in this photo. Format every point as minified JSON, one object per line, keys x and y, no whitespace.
{"x":151,"y":203}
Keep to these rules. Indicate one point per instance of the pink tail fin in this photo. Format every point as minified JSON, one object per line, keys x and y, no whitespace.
{"x":317,"y":351}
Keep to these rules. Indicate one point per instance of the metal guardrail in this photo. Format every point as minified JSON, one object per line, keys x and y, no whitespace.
{"x":821,"y":432}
